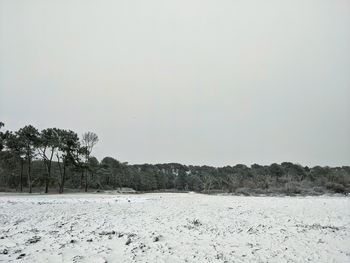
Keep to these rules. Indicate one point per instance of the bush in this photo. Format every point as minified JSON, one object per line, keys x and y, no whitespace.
{"x":260,"y":191}
{"x":318,"y":190}
{"x":335,"y":187}
{"x":292,"y":188}
{"x":243,"y":191}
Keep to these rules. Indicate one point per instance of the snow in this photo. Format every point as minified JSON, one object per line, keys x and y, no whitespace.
{"x":173,"y":228}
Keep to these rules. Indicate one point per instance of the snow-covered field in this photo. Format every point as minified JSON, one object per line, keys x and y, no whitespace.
{"x":173,"y":228}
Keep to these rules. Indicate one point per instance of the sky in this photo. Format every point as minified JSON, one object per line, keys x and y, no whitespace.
{"x":188,"y":81}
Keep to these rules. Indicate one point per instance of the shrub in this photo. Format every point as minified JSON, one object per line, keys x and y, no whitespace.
{"x":318,"y":190}
{"x":243,"y":191}
{"x":335,"y":187}
{"x":292,"y":188}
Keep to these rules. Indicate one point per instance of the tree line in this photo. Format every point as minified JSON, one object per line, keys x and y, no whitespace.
{"x":57,"y":159}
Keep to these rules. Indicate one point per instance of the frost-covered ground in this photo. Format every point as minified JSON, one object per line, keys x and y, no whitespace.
{"x":173,"y":228}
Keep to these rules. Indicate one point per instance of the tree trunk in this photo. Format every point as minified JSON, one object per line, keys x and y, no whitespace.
{"x":86,"y":181}
{"x":29,"y":175}
{"x":81,"y":179}
{"x":48,"y":176}
{"x":47,"y":183}
{"x":63,"y":179}
{"x":21,"y":176}
{"x":59,"y":166}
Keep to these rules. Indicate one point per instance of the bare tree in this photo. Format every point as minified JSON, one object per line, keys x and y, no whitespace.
{"x":207,"y":182}
{"x":89,"y":140}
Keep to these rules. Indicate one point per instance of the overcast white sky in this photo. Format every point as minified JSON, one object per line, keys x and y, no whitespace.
{"x":197,"y":82}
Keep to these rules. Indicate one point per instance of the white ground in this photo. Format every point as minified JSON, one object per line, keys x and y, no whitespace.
{"x":173,"y":228}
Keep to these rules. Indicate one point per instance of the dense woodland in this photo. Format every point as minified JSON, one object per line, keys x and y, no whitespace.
{"x":57,"y":160}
